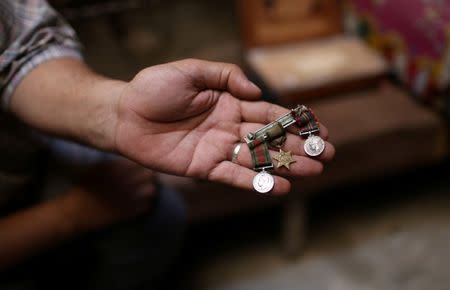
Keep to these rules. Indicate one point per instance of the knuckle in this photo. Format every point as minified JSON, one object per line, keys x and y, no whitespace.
{"x":270,"y":112}
{"x":274,"y":111}
{"x":190,"y":60}
{"x":234,"y":67}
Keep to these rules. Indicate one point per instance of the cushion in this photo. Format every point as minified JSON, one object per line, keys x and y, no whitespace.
{"x":311,"y":65}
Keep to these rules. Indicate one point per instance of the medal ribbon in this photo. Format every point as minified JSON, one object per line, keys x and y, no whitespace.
{"x":307,"y":121}
{"x":261,"y":157}
{"x":260,"y":154}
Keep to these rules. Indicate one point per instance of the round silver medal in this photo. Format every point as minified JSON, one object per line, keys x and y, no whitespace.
{"x":314,"y":146}
{"x":263,"y":182}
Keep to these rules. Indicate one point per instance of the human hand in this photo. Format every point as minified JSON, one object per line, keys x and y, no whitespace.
{"x":110,"y":192}
{"x":185,"y":118}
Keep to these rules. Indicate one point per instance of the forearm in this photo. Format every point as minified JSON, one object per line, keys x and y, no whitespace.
{"x":64,"y":97}
{"x":35,"y":229}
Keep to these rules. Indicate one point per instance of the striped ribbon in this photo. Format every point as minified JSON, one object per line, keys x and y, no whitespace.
{"x":307,"y":121}
{"x":261,"y":157}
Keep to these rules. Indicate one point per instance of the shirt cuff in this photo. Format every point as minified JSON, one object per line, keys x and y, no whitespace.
{"x":52,"y":52}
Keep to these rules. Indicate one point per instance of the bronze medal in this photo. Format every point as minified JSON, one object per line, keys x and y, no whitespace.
{"x":284,"y":159}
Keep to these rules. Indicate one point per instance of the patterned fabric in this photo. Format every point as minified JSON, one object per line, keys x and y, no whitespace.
{"x":31,"y":32}
{"x":414,"y":35}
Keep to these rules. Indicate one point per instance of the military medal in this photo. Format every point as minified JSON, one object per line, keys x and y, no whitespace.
{"x":284,"y":159}
{"x":263,"y":182}
{"x":314,"y":146}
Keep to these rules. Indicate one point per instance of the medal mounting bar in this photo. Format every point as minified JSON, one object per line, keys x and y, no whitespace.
{"x":276,"y":129}
{"x":309,"y":132}
{"x":264,"y":168}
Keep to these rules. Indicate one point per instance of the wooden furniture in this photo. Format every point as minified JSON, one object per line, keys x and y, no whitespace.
{"x":272,"y":22}
{"x":298,"y":51}
{"x":316,"y":68}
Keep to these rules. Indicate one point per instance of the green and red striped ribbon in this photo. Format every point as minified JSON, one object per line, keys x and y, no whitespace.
{"x":307,"y":121}
{"x":260,"y":156}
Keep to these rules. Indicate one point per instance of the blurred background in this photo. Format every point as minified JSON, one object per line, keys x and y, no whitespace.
{"x":376,"y":73}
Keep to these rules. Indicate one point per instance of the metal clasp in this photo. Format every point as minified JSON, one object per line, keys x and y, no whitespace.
{"x":309,"y":133}
{"x":264,"y":168}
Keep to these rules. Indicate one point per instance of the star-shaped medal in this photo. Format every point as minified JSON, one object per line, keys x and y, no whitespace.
{"x":284,"y":159}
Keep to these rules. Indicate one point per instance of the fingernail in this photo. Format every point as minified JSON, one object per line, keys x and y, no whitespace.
{"x":253,"y":85}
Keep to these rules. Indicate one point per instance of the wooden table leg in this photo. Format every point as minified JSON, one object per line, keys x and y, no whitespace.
{"x":293,"y":226}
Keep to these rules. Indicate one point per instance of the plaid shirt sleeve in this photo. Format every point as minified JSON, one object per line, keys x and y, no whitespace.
{"x":31,"y":32}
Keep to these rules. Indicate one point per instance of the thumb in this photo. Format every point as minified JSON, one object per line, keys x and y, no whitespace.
{"x":220,"y":76}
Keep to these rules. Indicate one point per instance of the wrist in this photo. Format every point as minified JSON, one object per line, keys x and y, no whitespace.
{"x":104,"y":97}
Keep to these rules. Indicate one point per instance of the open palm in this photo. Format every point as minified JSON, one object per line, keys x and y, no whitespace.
{"x":185,"y":118}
